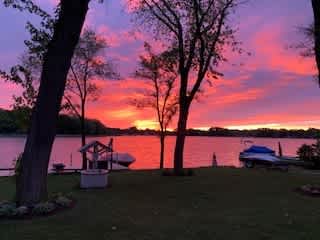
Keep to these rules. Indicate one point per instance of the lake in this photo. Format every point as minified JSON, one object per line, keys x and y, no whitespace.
{"x":198,"y":150}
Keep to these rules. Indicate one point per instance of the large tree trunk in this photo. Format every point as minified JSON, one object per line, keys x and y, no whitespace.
{"x":316,"y":13}
{"x":162,"y":137}
{"x":83,"y":135}
{"x":32,"y":182}
{"x":181,"y":135}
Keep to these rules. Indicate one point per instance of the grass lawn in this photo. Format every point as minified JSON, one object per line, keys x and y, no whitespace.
{"x":214,"y":204}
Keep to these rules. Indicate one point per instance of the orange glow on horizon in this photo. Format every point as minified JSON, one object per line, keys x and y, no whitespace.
{"x":146,"y":124}
{"x":289,"y":126}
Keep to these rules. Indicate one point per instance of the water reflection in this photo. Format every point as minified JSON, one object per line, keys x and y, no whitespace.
{"x":198,"y":150}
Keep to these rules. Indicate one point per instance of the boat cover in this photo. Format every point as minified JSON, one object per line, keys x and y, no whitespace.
{"x":262,"y":157}
{"x":259,"y":149}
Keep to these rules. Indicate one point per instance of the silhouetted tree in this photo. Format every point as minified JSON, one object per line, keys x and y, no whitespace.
{"x":26,"y":76}
{"x":32,"y":182}
{"x":87,"y":65}
{"x":199,"y":32}
{"x":316,"y":14}
{"x":161,"y":72}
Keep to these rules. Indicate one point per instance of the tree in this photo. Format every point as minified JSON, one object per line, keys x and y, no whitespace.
{"x":310,"y":46}
{"x":87,"y":65}
{"x":24,"y":75}
{"x":160,"y":71}
{"x":316,"y":14}
{"x":32,"y":181}
{"x":199,"y":32}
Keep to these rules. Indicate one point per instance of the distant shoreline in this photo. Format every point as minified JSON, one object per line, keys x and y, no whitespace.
{"x":155,"y":135}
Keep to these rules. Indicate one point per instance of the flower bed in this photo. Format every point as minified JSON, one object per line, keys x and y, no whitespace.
{"x":9,"y":210}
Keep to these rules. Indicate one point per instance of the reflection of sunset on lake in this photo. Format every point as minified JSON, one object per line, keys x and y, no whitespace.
{"x":198,"y":150}
{"x":272,"y":88}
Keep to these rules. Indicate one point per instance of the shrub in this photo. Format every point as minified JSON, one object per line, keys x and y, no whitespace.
{"x":43,"y":208}
{"x":63,"y":202}
{"x":306,"y":152}
{"x":21,"y":211}
{"x":7,"y":209}
{"x":310,"y":153}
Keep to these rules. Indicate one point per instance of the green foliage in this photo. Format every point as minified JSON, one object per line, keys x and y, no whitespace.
{"x":310,"y":153}
{"x":7,"y":209}
{"x":63,"y":202}
{"x":306,"y":152}
{"x":43,"y":208}
{"x":57,"y":201}
{"x":7,"y":122}
{"x":21,"y":211}
{"x":26,"y":73}
{"x":17,"y":121}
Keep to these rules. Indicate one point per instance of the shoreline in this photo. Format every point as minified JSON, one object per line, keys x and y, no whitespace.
{"x":153,"y":135}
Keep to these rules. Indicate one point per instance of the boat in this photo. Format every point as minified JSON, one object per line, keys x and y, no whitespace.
{"x":104,"y":157}
{"x":115,"y":160}
{"x":260,"y":155}
{"x":124,"y":159}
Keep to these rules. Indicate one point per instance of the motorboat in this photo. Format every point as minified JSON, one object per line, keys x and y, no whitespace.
{"x":124,"y":159}
{"x":260,"y":155}
{"x":115,"y":160}
{"x":103,"y":156}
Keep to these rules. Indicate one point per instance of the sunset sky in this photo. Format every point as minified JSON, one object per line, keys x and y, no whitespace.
{"x":272,"y":88}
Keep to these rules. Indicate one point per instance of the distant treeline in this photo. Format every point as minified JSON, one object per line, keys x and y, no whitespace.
{"x":261,"y":132}
{"x":17,"y":122}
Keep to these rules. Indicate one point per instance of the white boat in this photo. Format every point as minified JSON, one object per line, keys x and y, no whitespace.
{"x":124,"y":159}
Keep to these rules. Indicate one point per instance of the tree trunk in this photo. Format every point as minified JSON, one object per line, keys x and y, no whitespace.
{"x":162,"y":137}
{"x":32,"y":182}
{"x":83,"y":135}
{"x":316,"y":13}
{"x":181,"y":135}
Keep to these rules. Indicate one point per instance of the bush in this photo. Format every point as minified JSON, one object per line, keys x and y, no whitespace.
{"x":58,"y":201}
{"x":63,"y":202}
{"x":43,"y":208}
{"x":7,"y":209}
{"x":21,"y":211}
{"x":306,"y":152}
{"x":310,"y":153}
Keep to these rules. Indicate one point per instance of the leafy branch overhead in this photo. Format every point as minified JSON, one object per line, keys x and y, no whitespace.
{"x":87,"y":62}
{"x":26,"y":74}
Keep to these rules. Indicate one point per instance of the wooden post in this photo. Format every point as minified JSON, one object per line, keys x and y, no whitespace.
{"x":95,"y":157}
{"x":214,"y":160}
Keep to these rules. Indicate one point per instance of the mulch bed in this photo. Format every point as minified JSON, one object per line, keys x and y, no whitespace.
{"x":31,"y":216}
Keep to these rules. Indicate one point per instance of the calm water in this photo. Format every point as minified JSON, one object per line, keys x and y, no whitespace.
{"x":198,"y":150}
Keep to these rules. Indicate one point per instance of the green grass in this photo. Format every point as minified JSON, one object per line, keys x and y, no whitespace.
{"x":214,"y":204}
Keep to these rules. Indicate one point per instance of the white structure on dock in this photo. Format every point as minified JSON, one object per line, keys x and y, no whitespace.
{"x":94,"y":177}
{"x":102,"y":159}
